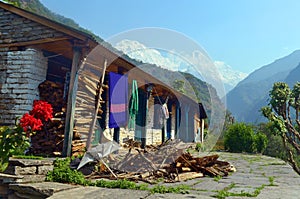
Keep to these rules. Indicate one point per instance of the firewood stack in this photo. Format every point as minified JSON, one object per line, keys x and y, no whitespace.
{"x":171,"y":162}
{"x":53,"y":93}
{"x":88,"y":94}
{"x":49,"y":141}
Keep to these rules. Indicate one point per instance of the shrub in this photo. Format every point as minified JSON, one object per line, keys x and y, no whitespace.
{"x":241,"y":137}
{"x":261,"y":142}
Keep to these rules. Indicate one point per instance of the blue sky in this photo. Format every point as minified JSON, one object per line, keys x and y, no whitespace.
{"x":245,"y":34}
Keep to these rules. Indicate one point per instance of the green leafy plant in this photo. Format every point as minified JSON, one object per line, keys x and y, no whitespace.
{"x":13,"y":141}
{"x":63,"y":173}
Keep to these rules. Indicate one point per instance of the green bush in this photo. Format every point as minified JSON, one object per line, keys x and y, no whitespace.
{"x":13,"y":141}
{"x":241,"y":137}
{"x":261,"y":142}
{"x":63,"y":173}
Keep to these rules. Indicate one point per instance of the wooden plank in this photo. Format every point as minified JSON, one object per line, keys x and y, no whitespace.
{"x":91,"y":130}
{"x":189,"y":175}
{"x":71,"y":102}
{"x":35,"y":42}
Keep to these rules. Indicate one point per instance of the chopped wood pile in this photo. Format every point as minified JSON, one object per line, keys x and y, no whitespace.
{"x":169,"y":161}
{"x":49,"y":141}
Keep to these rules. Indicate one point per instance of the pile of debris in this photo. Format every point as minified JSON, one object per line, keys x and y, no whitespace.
{"x":169,"y":161}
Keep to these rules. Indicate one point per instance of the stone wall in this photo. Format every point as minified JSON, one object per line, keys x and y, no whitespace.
{"x":21,"y":72}
{"x":30,"y":170}
{"x":15,"y":28}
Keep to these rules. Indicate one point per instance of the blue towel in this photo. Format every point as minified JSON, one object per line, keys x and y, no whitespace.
{"x":118,"y":100}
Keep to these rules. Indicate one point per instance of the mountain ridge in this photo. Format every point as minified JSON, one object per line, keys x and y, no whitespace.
{"x":246,"y":99}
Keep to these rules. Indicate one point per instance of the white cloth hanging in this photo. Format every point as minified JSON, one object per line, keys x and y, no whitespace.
{"x":165,"y":111}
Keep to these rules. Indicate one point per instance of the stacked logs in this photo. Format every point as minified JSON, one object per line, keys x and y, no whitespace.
{"x":169,"y":161}
{"x":49,"y":141}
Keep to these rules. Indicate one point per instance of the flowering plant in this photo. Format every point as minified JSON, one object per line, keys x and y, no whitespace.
{"x":15,"y":140}
{"x":41,"y":112}
{"x":30,"y":123}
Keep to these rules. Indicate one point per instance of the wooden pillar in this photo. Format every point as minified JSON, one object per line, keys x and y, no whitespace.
{"x":169,"y":121}
{"x":186,"y":112}
{"x":177,"y":125}
{"x":163,"y":131}
{"x":69,"y":123}
{"x":116,"y":136}
{"x":202,"y":130}
{"x":144,"y":127}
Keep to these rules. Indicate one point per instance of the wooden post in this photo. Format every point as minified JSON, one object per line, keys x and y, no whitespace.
{"x":177,"y":126}
{"x":69,"y":123}
{"x":186,"y":110}
{"x":144,"y":128}
{"x":202,"y":130}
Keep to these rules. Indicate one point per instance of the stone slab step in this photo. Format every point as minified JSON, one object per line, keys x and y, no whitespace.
{"x":39,"y":190}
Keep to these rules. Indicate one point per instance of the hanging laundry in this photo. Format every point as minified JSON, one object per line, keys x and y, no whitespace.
{"x":118,"y":99}
{"x":165,"y":111}
{"x":134,"y":105}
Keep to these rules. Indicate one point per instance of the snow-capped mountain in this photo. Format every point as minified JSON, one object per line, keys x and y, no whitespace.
{"x":139,"y":51}
{"x":229,"y":76}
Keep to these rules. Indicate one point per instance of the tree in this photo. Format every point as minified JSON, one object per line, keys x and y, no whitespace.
{"x":283,"y":113}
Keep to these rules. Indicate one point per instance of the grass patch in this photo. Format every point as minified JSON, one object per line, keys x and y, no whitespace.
{"x":182,"y":189}
{"x":217,"y":178}
{"x":32,"y":157}
{"x":222,"y":194}
{"x":198,"y":182}
{"x":252,"y":159}
{"x":271,"y":181}
{"x":64,"y":174}
{"x":275,"y":163}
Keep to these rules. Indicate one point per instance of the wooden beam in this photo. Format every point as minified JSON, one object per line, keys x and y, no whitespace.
{"x":34,"y":42}
{"x":77,"y":53}
{"x":202,"y":131}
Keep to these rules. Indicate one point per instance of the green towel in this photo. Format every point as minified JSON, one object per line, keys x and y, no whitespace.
{"x":134,"y":105}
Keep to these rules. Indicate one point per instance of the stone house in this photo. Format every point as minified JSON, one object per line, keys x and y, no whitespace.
{"x":34,"y":49}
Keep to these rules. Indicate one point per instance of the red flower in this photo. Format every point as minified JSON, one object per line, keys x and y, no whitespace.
{"x":42,"y":110}
{"x":28,"y":122}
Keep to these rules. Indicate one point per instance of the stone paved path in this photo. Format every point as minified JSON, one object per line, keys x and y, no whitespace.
{"x":273,"y":178}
